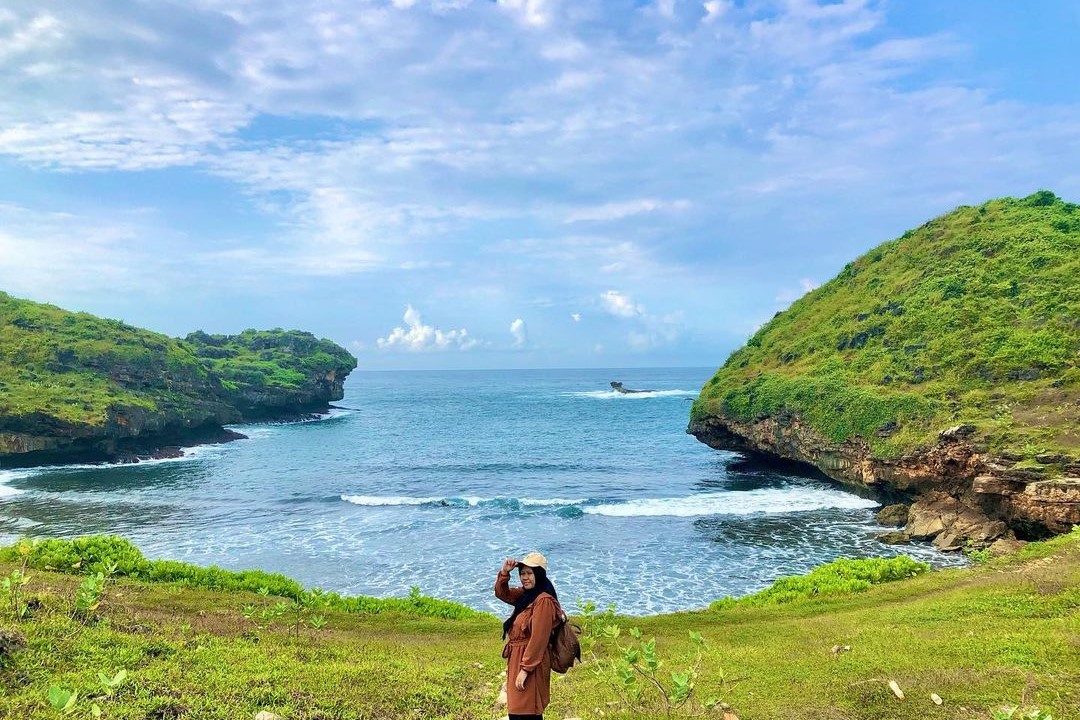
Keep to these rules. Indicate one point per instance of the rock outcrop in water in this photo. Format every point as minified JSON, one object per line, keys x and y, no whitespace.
{"x":618,"y":387}
{"x":78,"y":388}
{"x":941,"y":366}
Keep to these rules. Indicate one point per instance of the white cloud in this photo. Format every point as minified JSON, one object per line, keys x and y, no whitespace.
{"x":520,"y":333}
{"x":536,"y":13}
{"x":620,"y":305}
{"x":715,"y":9}
{"x":576,"y":317}
{"x":619,"y":210}
{"x":418,"y":337}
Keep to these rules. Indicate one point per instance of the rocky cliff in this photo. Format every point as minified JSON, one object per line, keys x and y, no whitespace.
{"x":75,"y":387}
{"x":941,"y":366}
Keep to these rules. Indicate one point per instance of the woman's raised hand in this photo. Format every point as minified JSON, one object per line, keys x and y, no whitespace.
{"x":508,"y":565}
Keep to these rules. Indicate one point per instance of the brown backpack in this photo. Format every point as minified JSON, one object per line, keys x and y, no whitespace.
{"x":564,"y":646}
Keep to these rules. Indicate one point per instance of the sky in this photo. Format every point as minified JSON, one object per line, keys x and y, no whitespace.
{"x":507,"y":184}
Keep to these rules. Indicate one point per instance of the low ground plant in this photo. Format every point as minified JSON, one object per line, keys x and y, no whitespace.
{"x":12,"y":585}
{"x":839,"y":577}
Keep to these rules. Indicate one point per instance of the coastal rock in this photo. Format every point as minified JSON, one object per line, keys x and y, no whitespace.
{"x":895,"y":515}
{"x":894,"y":538}
{"x":1005,"y":546}
{"x":978,"y":499}
{"x":996,"y":485}
{"x":1052,"y":504}
{"x":952,"y":524}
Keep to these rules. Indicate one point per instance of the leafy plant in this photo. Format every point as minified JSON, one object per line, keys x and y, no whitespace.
{"x":635,"y":670}
{"x":62,"y":701}
{"x":978,"y":556}
{"x":13,"y":584}
{"x":66,"y":702}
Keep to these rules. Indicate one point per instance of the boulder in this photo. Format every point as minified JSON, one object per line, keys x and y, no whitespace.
{"x":948,"y":542}
{"x":996,"y":485}
{"x":1005,"y":546}
{"x":936,"y":513}
{"x":894,"y":538}
{"x":894,"y":515}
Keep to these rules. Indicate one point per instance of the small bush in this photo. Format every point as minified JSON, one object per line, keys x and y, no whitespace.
{"x":840,"y":577}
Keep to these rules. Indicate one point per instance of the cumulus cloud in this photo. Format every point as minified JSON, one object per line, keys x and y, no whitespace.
{"x":619,"y":210}
{"x":418,"y":337}
{"x":520,"y":333}
{"x":621,"y":305}
{"x":576,"y":317}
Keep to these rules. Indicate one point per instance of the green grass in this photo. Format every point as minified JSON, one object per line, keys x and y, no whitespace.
{"x":972,"y":318}
{"x":1004,"y":633}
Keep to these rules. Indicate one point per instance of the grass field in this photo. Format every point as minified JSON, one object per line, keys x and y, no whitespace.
{"x":1000,"y":634}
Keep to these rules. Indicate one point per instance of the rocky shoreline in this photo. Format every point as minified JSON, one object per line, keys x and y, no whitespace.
{"x":959,"y":495}
{"x":154,"y":446}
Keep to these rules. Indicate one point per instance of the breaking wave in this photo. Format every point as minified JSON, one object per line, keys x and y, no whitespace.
{"x":767,"y":501}
{"x":612,"y":395}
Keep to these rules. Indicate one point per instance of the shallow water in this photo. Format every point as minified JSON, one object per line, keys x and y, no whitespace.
{"x":431,"y":478}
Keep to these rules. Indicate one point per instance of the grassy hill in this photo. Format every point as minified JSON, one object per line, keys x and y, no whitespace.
{"x":75,"y":380}
{"x":973,"y":318}
{"x":1001,"y":634}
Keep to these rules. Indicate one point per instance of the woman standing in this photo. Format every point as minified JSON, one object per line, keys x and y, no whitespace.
{"x":527,"y":632}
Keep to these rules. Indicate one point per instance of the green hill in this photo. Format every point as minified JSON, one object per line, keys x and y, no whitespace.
{"x":74,"y":386}
{"x":971,"y":320}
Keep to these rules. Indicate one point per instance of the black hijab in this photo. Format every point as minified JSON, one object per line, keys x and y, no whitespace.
{"x":543,"y":585}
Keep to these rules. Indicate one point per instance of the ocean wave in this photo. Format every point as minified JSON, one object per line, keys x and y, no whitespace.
{"x":612,"y":395}
{"x":465,"y":501}
{"x":767,"y":501}
{"x":745,"y":502}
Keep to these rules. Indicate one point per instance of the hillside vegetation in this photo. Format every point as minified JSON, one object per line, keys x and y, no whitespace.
{"x":1002,"y":634}
{"x":73,"y":367}
{"x":973,"y":318}
{"x":76,"y":383}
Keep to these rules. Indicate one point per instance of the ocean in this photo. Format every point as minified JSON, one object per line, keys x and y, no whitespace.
{"x":431,"y":479}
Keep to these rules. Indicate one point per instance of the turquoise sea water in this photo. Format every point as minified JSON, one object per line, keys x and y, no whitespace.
{"x":432,"y":478}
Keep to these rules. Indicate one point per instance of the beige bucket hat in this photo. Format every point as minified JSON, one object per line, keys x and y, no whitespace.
{"x":534,"y":559}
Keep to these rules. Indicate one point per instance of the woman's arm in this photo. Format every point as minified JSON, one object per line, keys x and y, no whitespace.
{"x":543,"y":619}
{"x":503,"y":591}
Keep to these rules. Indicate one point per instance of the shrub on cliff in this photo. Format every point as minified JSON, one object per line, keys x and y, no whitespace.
{"x":840,"y":577}
{"x":973,"y":318}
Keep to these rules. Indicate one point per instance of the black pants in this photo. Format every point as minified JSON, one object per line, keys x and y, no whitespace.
{"x":526,"y":717}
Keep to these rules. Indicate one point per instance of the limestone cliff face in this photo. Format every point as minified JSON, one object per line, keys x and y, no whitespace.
{"x":962,"y":493}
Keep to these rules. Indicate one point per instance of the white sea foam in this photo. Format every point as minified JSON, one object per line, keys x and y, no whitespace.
{"x":613,"y":395}
{"x":470,"y":500}
{"x":747,"y":502}
{"x":379,"y":500}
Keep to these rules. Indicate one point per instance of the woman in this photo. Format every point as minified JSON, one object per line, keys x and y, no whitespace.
{"x":527,"y":632}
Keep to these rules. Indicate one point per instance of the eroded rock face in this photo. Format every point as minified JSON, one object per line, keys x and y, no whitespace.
{"x":895,"y":515}
{"x":963,"y":496}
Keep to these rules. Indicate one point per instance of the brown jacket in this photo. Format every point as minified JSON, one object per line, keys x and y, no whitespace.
{"x":527,"y":648}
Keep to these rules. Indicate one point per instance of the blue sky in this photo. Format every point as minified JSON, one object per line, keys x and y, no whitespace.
{"x":519,"y":183}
